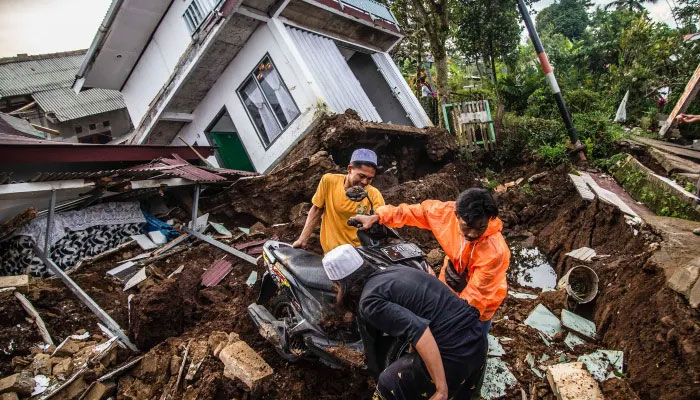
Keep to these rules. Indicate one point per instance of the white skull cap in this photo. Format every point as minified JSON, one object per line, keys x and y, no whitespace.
{"x":341,"y":262}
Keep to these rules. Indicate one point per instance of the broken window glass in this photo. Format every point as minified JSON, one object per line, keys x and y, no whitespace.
{"x":268,"y":101}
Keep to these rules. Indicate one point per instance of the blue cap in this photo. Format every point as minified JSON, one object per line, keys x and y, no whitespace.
{"x":364,"y":155}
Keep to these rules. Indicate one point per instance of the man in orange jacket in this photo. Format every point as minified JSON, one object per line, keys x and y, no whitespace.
{"x":469,"y":231}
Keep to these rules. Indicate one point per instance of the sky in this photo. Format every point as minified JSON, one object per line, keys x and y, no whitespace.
{"x":48,"y":26}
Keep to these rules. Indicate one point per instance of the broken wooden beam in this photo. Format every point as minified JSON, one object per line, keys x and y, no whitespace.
{"x":85,"y":298}
{"x":18,"y":282}
{"x":221,"y":246}
{"x":691,"y":90}
{"x":29,"y":308}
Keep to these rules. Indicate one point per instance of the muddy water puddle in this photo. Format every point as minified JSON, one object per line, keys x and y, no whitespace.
{"x":529,"y":267}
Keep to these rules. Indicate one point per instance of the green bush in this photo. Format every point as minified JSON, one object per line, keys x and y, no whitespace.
{"x":599,"y":134}
{"x":522,"y":136}
{"x":553,"y":155}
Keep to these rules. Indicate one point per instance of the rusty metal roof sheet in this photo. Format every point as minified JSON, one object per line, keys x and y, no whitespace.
{"x":216,"y":273}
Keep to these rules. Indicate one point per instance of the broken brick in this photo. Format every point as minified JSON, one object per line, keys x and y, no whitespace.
{"x":242,"y":362}
{"x":21,"y":383}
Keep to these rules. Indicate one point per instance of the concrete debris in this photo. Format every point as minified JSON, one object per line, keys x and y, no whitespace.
{"x":18,"y":282}
{"x":572,"y":340}
{"x":137,"y":278}
{"x":582,"y":187}
{"x":242,"y":362}
{"x":578,"y":324}
{"x":157,"y":237}
{"x":9,"y":396}
{"x":582,"y":254}
{"x":495,"y":348}
{"x":571,"y":381}
{"x":519,"y":295}
{"x":537,"y":177}
{"x":144,"y":242}
{"x":100,"y":391}
{"x":684,"y":277}
{"x":21,"y":383}
{"x":608,"y":196}
{"x":544,"y":321}
{"x":497,"y":380}
{"x":604,"y":364}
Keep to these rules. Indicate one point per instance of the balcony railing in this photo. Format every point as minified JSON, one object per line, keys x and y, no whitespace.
{"x":373,"y":8}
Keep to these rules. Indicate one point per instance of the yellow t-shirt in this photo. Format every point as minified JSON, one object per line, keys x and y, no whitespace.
{"x":337,"y":209}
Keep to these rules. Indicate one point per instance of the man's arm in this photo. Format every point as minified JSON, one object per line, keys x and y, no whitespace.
{"x":430,"y":353}
{"x":312,"y":221}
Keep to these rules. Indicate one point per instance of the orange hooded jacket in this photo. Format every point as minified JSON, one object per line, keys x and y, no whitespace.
{"x":486,"y":258}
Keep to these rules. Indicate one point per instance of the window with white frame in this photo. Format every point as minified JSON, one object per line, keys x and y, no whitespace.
{"x":267,"y":101}
{"x":197,"y":11}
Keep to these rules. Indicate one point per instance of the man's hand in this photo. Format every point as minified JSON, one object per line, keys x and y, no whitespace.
{"x":366,"y":220}
{"x":687,"y":118}
{"x":300,"y":243}
{"x":439,"y":395}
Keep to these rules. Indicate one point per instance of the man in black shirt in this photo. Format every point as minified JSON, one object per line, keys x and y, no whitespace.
{"x":403,"y":302}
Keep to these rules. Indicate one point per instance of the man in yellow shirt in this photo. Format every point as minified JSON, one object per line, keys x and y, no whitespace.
{"x":334,"y":208}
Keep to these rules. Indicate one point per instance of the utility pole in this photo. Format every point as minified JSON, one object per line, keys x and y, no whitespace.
{"x":551,"y":80}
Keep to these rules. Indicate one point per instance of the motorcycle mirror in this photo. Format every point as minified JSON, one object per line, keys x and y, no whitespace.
{"x":356,"y":193}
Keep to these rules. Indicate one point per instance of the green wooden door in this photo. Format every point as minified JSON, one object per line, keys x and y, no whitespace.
{"x":232,"y":151}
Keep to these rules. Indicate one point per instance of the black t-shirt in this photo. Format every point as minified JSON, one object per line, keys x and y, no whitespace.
{"x":404,"y":302}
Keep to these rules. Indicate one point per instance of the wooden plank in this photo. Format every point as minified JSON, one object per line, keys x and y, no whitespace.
{"x":691,"y":90}
{"x":19,"y":282}
{"x":668,"y":147}
{"x":29,"y":308}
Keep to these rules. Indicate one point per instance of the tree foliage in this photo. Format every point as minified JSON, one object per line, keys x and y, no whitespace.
{"x":565,"y":17}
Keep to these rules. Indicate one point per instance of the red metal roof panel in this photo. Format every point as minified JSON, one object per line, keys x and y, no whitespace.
{"x":216,"y":273}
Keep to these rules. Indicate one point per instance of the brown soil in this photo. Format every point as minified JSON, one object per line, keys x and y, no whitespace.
{"x":634,"y":312}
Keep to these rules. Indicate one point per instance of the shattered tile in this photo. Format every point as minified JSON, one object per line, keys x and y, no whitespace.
{"x":519,"y":295}
{"x":158,"y":238}
{"x":136,"y":279}
{"x":530,"y":360}
{"x":572,"y":340}
{"x":578,"y":324}
{"x":582,"y":254}
{"x":603,"y":363}
{"x":497,"y":380}
{"x":495,"y":348}
{"x":544,"y":321}
{"x":252,"y":278}
{"x":220,"y":229}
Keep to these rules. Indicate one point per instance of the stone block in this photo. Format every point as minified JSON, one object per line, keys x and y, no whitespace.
{"x":20,"y":282}
{"x":242,"y":362}
{"x":41,"y":364}
{"x":571,"y":381}
{"x":100,"y":391}
{"x":62,"y":367}
{"x":21,"y":383}
{"x":694,"y":295}
{"x":683,"y":279}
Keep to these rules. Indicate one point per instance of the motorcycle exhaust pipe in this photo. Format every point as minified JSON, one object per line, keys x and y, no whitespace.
{"x":269,"y":328}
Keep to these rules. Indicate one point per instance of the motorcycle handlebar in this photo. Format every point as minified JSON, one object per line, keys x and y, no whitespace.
{"x":354,"y":222}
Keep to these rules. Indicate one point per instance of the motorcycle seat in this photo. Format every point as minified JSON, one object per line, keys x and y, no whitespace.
{"x":306,"y":266}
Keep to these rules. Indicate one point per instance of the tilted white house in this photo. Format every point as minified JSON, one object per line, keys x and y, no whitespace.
{"x":250,"y":76}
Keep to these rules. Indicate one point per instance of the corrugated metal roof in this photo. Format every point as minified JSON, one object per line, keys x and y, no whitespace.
{"x":27,"y":77}
{"x":216,"y":273}
{"x":68,"y":105}
{"x":17,"y":126}
{"x":337,"y":81}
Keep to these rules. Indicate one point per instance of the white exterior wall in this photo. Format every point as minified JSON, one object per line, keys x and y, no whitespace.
{"x":223,"y":93}
{"x":157,"y":62}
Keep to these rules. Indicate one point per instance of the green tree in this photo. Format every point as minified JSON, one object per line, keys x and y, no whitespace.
{"x":566,"y":17}
{"x":488,"y":30}
{"x":631,"y":5}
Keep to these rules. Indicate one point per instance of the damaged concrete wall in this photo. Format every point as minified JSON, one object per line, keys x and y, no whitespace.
{"x":157,"y":62}
{"x":223,"y":94}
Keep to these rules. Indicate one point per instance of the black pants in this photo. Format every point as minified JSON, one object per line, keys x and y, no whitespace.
{"x":407,"y":378}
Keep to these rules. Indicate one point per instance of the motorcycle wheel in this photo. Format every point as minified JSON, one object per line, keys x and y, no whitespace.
{"x":282,"y":309}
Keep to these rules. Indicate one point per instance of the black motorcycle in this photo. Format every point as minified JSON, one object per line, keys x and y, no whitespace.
{"x":296,"y":298}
